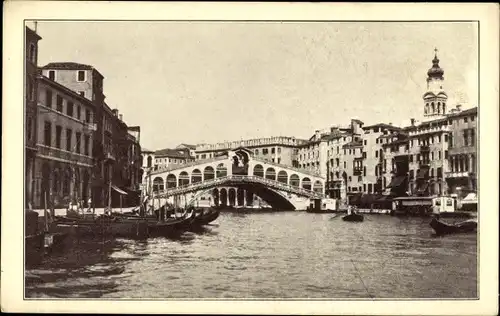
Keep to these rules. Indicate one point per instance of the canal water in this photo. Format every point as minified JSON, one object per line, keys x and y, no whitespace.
{"x":269,"y":255}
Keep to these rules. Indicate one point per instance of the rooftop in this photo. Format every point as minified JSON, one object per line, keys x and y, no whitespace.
{"x":69,"y":66}
{"x":383,"y":125}
{"x":173,"y":153}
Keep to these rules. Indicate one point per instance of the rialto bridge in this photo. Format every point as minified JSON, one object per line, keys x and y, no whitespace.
{"x":236,"y":178}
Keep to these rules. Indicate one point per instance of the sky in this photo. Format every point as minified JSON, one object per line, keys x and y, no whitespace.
{"x":208,"y":82}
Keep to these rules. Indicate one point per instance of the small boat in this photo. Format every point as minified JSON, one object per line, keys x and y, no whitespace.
{"x":207,"y":217}
{"x":442,"y":228}
{"x":353,"y":217}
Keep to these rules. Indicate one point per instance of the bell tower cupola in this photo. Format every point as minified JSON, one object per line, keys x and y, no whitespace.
{"x":435,"y":98}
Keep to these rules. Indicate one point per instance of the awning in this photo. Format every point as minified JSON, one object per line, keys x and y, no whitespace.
{"x":118,"y":190}
{"x":396,"y":182}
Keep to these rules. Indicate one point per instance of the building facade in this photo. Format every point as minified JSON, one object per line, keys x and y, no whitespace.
{"x":461,"y":175}
{"x":116,"y":164}
{"x":65,"y":132}
{"x":281,"y":150}
{"x":30,"y":110}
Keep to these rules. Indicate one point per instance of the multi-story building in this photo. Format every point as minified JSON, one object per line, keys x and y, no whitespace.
{"x":30,"y":108}
{"x":461,"y":175}
{"x":282,"y":150}
{"x":395,"y":163}
{"x":167,"y":157}
{"x":65,"y":131}
{"x":112,"y":141}
{"x":373,"y":137}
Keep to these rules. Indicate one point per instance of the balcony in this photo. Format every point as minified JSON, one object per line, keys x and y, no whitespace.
{"x":424,"y":148}
{"x":357,"y":172}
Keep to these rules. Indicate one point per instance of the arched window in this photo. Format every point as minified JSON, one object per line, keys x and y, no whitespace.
{"x":183,"y":178}
{"x":208,"y":173}
{"x":150,"y":160}
{"x":258,"y":171}
{"x":196,"y":176}
{"x":221,"y":171}
{"x":306,"y":183}
{"x":171,"y":181}
{"x":318,"y":186}
{"x":158,"y":184}
{"x":294,"y":180}
{"x":282,"y":176}
{"x":271,"y":174}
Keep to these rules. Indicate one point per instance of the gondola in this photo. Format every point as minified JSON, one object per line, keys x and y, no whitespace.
{"x":353,"y":217}
{"x":207,"y":217}
{"x":442,"y":228}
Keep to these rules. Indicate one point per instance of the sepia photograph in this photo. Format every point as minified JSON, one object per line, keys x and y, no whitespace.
{"x":218,"y":159}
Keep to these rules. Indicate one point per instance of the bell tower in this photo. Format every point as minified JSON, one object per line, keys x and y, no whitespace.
{"x":435,"y":98}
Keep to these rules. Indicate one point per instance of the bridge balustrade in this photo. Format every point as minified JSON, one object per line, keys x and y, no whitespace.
{"x":191,"y":187}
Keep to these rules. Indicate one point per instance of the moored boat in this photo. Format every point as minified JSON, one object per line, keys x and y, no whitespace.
{"x":442,"y":228}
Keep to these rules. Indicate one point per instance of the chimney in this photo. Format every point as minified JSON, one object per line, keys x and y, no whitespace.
{"x":412,"y":120}
{"x":390,"y":123}
{"x":115,"y":112}
{"x":121,"y":117}
{"x":317,"y":134}
{"x":459,"y":107}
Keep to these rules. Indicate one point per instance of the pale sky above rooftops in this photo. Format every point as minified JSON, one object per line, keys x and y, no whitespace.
{"x":208,"y":82}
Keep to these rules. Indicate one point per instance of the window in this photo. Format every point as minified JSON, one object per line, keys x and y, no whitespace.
{"x":48,"y":98}
{"x":81,"y":75}
{"x":432,"y":172}
{"x":466,"y":137}
{"x":279,"y":160}
{"x":78,"y":142}
{"x":450,"y":141}
{"x":445,"y":138}
{"x":32,"y":53}
{"x":376,"y":154}
{"x":472,"y":118}
{"x":257,"y":152}
{"x":465,"y":119}
{"x":439,"y":172}
{"x":69,"y":109}
{"x":87,"y":116}
{"x":418,"y":157}
{"x":364,"y":154}
{"x":364,"y":171}
{"x":410,"y":158}
{"x":59,"y":103}
{"x":82,"y":93}
{"x":432,"y":155}
{"x":273,"y":150}
{"x":58,"y":136}
{"x":411,"y":174}
{"x":364,"y":187}
{"x":472,"y":137}
{"x":265,"y":151}
{"x":87,"y":145}
{"x":369,"y":187}
{"x":69,"y":134}
{"x":364,"y":142}
{"x":52,"y":74}
{"x":279,"y":150}
{"x":445,"y":154}
{"x":439,"y":155}
{"x":345,"y":164}
{"x":337,"y":161}
{"x":350,"y":178}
